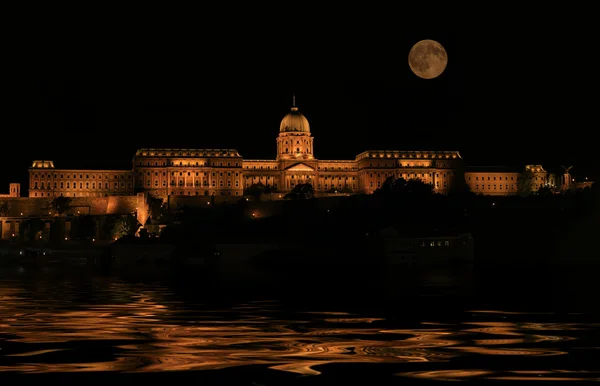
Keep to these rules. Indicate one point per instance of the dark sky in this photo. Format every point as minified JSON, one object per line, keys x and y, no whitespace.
{"x":87,"y":88}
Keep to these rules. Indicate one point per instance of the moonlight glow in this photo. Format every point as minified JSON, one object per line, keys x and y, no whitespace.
{"x":427,"y":59}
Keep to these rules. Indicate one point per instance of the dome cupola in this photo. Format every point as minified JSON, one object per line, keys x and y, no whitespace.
{"x":294,"y":141}
{"x":294,"y":122}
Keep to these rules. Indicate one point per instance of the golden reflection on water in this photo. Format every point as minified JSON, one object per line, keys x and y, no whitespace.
{"x":509,"y":375}
{"x":137,"y":328}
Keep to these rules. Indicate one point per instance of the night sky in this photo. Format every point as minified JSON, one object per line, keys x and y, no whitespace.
{"x":88,"y":91}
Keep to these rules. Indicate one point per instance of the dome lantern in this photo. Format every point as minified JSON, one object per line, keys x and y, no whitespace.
{"x":294,"y":121}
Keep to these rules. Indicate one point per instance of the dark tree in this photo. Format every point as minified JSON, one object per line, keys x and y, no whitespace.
{"x":545,"y":191}
{"x":389,"y":185}
{"x":60,"y":204}
{"x":157,"y":209}
{"x":525,"y":183}
{"x":255,"y":190}
{"x":117,"y":226}
{"x":458,"y":185}
{"x":418,"y":187}
{"x":413,"y":186}
{"x":347,"y":189}
{"x":270,"y":189}
{"x":301,"y":192}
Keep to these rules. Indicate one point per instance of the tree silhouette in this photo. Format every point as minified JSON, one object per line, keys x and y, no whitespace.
{"x":347,"y":189}
{"x":525,"y":183}
{"x":157,"y":209}
{"x":418,"y":187}
{"x":270,"y":189}
{"x":255,"y":190}
{"x":301,"y":192}
{"x":458,"y":184}
{"x":388,"y":185}
{"x":120,"y":226}
{"x":60,"y":204}
{"x":413,"y":186}
{"x":545,"y":191}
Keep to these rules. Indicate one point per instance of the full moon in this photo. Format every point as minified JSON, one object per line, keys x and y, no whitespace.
{"x":427,"y":59}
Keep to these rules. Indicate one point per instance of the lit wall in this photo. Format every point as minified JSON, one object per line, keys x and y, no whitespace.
{"x":188,"y":172}
{"x":48,"y":181}
{"x":492,"y":183}
{"x":438,"y":168}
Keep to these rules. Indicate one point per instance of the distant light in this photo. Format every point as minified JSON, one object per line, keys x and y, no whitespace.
{"x":93,"y":239}
{"x":207,"y":202}
{"x":49,"y":212}
{"x":66,"y":239}
{"x":21,"y":213}
{"x":13,"y":235}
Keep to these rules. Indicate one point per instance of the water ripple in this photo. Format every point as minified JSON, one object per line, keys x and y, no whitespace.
{"x":530,"y":375}
{"x":122,"y":327}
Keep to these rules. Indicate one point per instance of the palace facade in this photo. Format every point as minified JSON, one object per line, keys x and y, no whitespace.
{"x":501,"y":181}
{"x":223,"y":172}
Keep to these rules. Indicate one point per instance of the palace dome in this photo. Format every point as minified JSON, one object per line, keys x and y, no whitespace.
{"x":294,"y":121}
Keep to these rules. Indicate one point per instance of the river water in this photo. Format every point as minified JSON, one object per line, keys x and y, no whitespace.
{"x":88,"y":328}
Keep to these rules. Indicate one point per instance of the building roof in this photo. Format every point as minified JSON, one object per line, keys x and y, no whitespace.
{"x":427,"y":154}
{"x":294,"y":122}
{"x":42,"y":164}
{"x":159,"y":152}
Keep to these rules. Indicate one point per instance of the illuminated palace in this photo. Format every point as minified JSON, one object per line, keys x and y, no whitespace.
{"x":223,"y":172}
